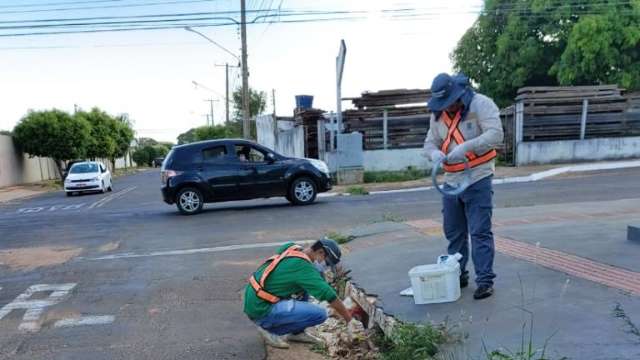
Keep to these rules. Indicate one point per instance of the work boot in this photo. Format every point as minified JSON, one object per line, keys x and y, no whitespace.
{"x":304,"y":337}
{"x":483,"y":292}
{"x":464,"y":280}
{"x":273,"y":339}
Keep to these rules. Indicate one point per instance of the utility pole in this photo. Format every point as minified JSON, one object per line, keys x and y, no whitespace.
{"x":211,"y":101}
{"x":246,"y":125}
{"x":273,"y":98}
{"x":228,"y":98}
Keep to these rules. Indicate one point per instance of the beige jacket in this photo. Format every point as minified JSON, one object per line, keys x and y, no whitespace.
{"x":481,"y":127}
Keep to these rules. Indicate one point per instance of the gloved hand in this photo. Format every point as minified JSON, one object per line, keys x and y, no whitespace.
{"x":458,"y":154}
{"x":437,"y":155}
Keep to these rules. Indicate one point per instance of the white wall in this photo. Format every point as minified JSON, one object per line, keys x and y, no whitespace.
{"x":18,"y":168}
{"x":394,"y":160}
{"x":548,"y":152}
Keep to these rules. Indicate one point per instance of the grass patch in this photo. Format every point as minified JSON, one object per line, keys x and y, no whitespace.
{"x":409,"y":174}
{"x":356,"y":190}
{"x":340,"y":238}
{"x":393,"y":218}
{"x":410,"y":341}
{"x":320,"y":349}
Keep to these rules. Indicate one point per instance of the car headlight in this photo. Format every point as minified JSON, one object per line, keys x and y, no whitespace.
{"x":320,"y":165}
{"x":95,"y":178}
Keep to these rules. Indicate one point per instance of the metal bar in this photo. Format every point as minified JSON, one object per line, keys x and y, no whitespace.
{"x":385,"y":130}
{"x":519,"y":129}
{"x":583,"y":120}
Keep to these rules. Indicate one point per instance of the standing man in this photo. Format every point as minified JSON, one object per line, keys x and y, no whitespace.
{"x":467,"y":125}
{"x":293,"y":272}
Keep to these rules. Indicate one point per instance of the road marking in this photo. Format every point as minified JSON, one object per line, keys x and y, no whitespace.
{"x":193,"y":251}
{"x":85,"y":320}
{"x":50,"y":208}
{"x":111,"y":197}
{"x":35,"y":308}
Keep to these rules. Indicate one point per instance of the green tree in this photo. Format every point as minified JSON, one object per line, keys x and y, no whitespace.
{"x":144,"y":155}
{"x":187,"y":137}
{"x":123,"y":135}
{"x":257,"y":103}
{"x":516,"y":43}
{"x":54,"y":134}
{"x":215,"y":132}
{"x":146,"y":141}
{"x":102,"y":136}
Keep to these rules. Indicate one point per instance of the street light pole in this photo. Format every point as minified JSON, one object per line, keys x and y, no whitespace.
{"x":226,"y":66}
{"x":246,"y":132}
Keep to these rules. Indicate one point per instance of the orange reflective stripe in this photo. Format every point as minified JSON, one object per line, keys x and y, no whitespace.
{"x":261,"y":293}
{"x":293,"y":251}
{"x":452,"y":125}
{"x":455,"y":134}
{"x":290,"y":252}
{"x":472,"y":163}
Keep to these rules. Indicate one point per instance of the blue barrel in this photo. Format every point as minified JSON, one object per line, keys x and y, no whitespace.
{"x":304,"y":101}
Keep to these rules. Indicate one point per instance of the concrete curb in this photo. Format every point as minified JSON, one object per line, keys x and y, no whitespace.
{"x":519,"y":179}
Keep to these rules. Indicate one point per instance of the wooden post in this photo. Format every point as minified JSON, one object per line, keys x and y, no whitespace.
{"x":583,"y":120}
{"x":385,"y":128}
{"x":321,"y":141}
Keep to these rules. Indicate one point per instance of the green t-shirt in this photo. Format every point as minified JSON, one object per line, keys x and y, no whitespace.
{"x":292,"y":276}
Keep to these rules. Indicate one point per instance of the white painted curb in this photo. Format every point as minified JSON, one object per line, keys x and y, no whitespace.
{"x":521,"y":179}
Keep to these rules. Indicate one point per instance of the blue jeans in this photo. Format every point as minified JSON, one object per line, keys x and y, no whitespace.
{"x":292,"y":317}
{"x":469,"y":215}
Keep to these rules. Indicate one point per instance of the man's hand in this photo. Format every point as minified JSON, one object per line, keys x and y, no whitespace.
{"x":437,"y":155}
{"x":339,"y":307}
{"x":458,"y":154}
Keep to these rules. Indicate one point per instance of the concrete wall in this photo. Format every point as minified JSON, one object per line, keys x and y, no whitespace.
{"x":287,"y":139}
{"x":549,"y":152}
{"x":17,"y":168}
{"x":394,"y":160}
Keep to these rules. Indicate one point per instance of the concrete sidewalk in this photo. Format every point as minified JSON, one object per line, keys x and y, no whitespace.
{"x":13,"y":193}
{"x":568,"y":268}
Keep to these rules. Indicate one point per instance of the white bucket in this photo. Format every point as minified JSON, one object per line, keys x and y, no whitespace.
{"x":436,"y":283}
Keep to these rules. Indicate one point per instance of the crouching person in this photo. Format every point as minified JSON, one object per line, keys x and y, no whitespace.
{"x":276,"y":297}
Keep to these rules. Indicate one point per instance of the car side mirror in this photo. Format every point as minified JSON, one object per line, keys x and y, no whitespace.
{"x":271,"y":158}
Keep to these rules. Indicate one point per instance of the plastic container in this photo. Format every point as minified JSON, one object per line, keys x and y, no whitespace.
{"x":436,"y":283}
{"x":304,"y":101}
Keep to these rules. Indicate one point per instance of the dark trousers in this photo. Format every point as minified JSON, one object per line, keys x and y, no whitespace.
{"x":468,"y":216}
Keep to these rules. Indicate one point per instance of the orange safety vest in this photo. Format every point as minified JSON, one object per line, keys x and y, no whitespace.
{"x":455,"y":134}
{"x":258,"y":286}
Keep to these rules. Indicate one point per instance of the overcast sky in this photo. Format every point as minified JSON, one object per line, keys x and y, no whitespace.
{"x":149,"y":74}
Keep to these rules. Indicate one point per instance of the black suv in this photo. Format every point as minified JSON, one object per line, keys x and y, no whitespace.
{"x":225,"y":170}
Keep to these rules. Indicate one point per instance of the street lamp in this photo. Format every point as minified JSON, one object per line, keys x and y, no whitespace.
{"x":245,"y":70}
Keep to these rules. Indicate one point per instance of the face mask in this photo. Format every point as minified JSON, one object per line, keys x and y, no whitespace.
{"x":320,"y":266}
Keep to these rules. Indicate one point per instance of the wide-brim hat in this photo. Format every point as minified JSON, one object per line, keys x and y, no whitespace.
{"x":445,"y":90}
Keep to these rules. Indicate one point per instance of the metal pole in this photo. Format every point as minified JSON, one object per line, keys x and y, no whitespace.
{"x":339,"y":107}
{"x":332,"y":121}
{"x":519,"y":129}
{"x":273,"y":98}
{"x":211,"y":103}
{"x":246,"y":130}
{"x":385,"y":127}
{"x":227,"y":94}
{"x":583,"y":120}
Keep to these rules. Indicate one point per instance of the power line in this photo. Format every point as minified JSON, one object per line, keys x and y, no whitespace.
{"x":57,"y":4}
{"x":148,"y":4}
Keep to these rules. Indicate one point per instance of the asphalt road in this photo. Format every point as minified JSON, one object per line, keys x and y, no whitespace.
{"x":145,"y":282}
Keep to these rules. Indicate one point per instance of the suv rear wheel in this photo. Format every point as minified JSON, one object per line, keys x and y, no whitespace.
{"x":189,"y":201}
{"x":302,"y":191}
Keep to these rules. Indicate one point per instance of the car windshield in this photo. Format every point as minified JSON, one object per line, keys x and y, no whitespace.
{"x":84,"y":168}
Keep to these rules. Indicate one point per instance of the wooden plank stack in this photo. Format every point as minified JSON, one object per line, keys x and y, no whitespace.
{"x":554,"y":113}
{"x":407,"y":125}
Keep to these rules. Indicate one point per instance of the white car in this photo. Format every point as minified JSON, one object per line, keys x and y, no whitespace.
{"x":87,"y":176}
